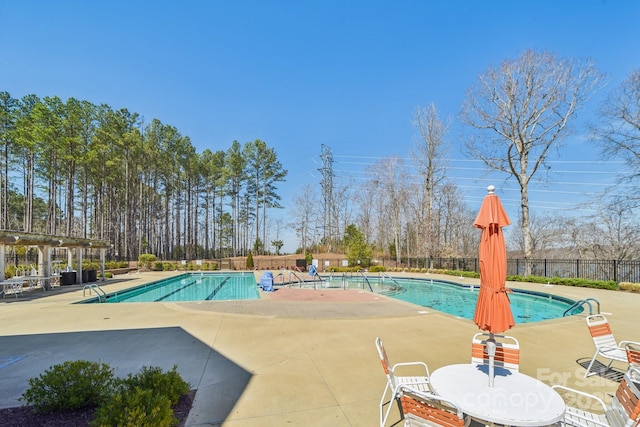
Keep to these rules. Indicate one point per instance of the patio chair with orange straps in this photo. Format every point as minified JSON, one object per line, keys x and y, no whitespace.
{"x":507,"y":351}
{"x":624,"y":410}
{"x":605,"y":342}
{"x":633,"y":354}
{"x":427,"y":409}
{"x":394,"y":381}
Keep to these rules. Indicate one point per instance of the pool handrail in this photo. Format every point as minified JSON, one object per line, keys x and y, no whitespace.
{"x":366,"y":280}
{"x":580,"y":303}
{"x":97,"y":289}
{"x":291,"y":274}
{"x":385,"y":275}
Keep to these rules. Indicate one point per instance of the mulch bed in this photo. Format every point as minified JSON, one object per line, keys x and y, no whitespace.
{"x":24,"y":416}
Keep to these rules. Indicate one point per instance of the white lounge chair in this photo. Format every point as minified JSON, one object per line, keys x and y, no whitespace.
{"x":507,"y":351}
{"x":633,"y":354}
{"x":394,"y":381}
{"x":624,"y":410}
{"x":605,"y":342}
{"x":427,"y":409}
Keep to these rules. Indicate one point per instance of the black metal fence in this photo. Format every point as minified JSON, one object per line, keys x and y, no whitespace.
{"x":619,"y":271}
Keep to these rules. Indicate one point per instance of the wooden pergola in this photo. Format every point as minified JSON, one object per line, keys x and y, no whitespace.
{"x":45,"y":243}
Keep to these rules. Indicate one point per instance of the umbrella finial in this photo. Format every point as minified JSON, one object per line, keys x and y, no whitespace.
{"x":491,"y":189}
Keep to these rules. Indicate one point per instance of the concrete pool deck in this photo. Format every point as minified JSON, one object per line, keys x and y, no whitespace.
{"x":294,"y":357}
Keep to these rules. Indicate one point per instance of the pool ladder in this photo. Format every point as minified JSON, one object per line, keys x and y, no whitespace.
{"x":580,"y":303}
{"x":102,"y":295}
{"x":291,"y":276}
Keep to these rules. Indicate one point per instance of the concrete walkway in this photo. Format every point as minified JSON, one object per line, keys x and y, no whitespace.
{"x":294,"y":357}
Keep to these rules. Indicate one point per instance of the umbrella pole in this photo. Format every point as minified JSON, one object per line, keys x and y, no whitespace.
{"x":491,"y":351}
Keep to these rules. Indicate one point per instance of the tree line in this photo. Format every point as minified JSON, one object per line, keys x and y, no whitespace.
{"x":514,"y":116}
{"x":79,"y":169}
{"x":87,"y":170}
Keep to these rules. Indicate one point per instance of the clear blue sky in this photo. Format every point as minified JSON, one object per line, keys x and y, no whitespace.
{"x":298,"y":74}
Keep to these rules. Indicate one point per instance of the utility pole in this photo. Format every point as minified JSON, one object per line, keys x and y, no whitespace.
{"x":327,"y":192}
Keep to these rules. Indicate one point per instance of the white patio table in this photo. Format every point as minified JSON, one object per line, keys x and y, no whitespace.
{"x":515,"y":399}
{"x":14,"y":285}
{"x":35,"y":281}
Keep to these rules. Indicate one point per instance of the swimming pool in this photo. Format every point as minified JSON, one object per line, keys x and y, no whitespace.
{"x":448,"y":297}
{"x":459,"y":299}
{"x":189,"y":287}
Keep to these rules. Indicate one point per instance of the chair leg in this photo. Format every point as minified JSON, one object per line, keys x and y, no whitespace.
{"x":587,"y":374}
{"x":399,"y":402}
{"x":383,"y":402}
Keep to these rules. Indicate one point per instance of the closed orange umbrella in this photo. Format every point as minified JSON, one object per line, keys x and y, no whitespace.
{"x":493,"y":309}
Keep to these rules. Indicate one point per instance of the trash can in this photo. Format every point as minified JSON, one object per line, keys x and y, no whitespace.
{"x":68,"y":278}
{"x":92,"y":276}
{"x":85,"y":276}
{"x":266,"y":281}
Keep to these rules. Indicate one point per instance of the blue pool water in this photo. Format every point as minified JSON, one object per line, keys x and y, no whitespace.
{"x":457,"y":299}
{"x":190,"y":287}
{"x":448,"y":297}
{"x":460,"y":300}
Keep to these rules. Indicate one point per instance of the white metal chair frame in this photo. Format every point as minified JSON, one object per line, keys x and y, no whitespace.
{"x":420,"y":383}
{"x":624,"y":410}
{"x":605,"y":342}
{"x":507,"y":351}
{"x":421,"y":408}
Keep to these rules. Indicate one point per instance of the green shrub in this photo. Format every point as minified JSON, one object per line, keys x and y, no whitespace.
{"x":345,"y":269}
{"x":169,"y":383}
{"x":157,"y":266}
{"x":145,"y":260}
{"x":135,"y":407}
{"x":214,"y":266}
{"x":167,"y":266}
{"x":70,"y":385}
{"x":108,"y":275}
{"x":90,"y":265}
{"x":249,"y":264}
{"x":9,"y":271}
{"x":377,"y":268}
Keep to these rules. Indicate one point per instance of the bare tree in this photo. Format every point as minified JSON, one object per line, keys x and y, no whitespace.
{"x":308,"y":214}
{"x":610,"y":235}
{"x":548,"y":235}
{"x":454,"y":224}
{"x":519,"y":111}
{"x":429,"y":158}
{"x":389,"y":176}
{"x":619,"y":129}
{"x":365,"y":201}
{"x":341,"y":207}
